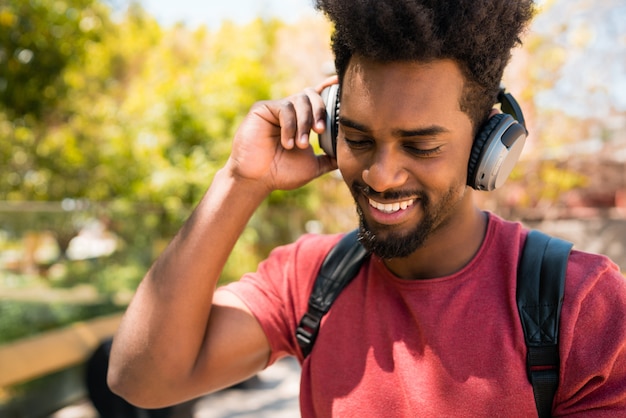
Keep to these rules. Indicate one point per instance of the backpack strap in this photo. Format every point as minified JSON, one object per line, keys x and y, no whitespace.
{"x":540,"y":289}
{"x":340,"y":266}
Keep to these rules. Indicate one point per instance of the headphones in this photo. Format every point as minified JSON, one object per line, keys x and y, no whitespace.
{"x":495,"y":151}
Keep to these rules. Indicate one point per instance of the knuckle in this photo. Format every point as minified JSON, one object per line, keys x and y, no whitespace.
{"x":286,"y":104}
{"x":258,"y":105}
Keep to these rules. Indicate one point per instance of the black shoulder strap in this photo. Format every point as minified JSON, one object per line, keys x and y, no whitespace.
{"x":340,"y":266}
{"x":540,"y":288}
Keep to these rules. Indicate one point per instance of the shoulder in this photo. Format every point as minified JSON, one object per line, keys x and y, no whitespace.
{"x":504,"y":238}
{"x":592,"y":276}
{"x":589,"y":276}
{"x":582,"y":265}
{"x":306,"y":253}
{"x":501,"y":230}
{"x":277,"y":293}
{"x":595,"y":295}
{"x":288,"y":272}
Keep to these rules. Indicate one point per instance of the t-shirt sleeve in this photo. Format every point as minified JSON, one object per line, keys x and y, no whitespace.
{"x":593,"y":340}
{"x":277,"y":293}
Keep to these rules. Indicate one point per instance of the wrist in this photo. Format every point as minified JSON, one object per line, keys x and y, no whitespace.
{"x":252,"y":188}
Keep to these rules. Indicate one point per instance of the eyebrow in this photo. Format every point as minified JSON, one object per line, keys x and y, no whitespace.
{"x":402,"y":133}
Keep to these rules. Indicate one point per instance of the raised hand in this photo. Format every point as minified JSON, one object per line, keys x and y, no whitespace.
{"x":272,"y":145}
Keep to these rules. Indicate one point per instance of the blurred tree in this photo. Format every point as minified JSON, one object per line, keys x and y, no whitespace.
{"x":38,"y":40}
{"x":139,"y":118}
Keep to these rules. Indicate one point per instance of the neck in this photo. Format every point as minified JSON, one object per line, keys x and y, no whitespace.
{"x":447,"y":251}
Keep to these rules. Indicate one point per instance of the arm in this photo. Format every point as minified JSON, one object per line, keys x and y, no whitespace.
{"x":173,"y":343}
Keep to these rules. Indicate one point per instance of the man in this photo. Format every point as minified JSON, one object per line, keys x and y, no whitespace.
{"x":429,"y":326}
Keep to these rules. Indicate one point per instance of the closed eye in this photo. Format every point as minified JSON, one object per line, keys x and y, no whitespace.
{"x":421,"y":152}
{"x":358,"y":144}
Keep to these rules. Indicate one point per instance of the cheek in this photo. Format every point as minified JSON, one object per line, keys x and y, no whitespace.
{"x":442,"y":175}
{"x":456,"y":162}
{"x":440,"y":172}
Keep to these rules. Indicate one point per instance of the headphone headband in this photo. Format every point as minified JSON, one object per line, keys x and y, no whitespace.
{"x":509,"y":105}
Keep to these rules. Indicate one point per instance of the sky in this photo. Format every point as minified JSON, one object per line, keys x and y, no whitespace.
{"x":198,"y":12}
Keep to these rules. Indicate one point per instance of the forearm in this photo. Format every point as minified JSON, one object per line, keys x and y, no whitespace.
{"x":163,"y":330}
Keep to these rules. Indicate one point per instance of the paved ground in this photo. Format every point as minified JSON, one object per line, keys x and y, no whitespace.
{"x":272,"y":394}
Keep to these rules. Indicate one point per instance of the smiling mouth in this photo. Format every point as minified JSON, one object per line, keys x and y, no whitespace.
{"x":391,"y":207}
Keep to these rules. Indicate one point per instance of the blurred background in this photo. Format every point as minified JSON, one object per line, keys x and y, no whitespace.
{"x":115,"y":115}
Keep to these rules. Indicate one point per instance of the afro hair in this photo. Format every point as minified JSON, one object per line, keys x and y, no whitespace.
{"x":477,"y":34}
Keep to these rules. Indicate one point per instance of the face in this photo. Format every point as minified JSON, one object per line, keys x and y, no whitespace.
{"x":403,"y":148}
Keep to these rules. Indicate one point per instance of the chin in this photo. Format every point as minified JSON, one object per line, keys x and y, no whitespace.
{"x":389,"y":244}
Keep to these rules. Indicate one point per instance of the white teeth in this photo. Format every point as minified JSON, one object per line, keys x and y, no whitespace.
{"x":391,"y":207}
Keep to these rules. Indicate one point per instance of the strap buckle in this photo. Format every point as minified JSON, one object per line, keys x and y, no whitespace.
{"x":307,"y":330}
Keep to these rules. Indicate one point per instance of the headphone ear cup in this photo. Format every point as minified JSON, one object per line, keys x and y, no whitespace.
{"x":479,"y":145}
{"x":495,"y":151}
{"x":328,"y":138}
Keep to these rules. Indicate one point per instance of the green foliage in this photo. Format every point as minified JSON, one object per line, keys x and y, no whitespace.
{"x":558,"y":180}
{"x":137,"y":114}
{"x":38,"y":40}
{"x":22,"y":319}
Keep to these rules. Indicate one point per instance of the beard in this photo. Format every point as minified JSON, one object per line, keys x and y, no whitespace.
{"x":382,"y":241}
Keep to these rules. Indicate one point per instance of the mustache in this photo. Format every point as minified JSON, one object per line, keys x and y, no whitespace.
{"x":361,"y":188}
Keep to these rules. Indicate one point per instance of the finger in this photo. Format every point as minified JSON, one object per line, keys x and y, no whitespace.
{"x":328,"y":82}
{"x":317,"y":104}
{"x":320,"y":115}
{"x":304,"y":116}
{"x":301,"y":113}
{"x":318,"y":108}
{"x":326,"y":164}
{"x":287,"y":121}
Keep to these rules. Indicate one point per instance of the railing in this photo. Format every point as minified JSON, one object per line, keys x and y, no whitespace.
{"x":60,"y":353}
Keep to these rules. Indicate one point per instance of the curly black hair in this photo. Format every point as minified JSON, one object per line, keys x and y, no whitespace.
{"x":477,"y":34}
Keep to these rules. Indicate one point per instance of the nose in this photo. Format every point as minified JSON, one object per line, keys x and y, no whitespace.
{"x":385,"y":172}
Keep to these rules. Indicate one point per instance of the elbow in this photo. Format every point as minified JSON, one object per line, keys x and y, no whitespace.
{"x":127,"y":379}
{"x":142,"y":390}
{"x":121,"y":386}
{"x":131,"y":390}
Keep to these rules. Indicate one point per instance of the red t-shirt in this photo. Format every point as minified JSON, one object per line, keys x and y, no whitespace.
{"x":451,"y":346}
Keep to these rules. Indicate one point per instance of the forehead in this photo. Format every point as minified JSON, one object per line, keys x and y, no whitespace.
{"x":399,"y":90}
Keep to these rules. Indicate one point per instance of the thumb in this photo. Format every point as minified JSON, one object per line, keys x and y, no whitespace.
{"x":325,"y":164}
